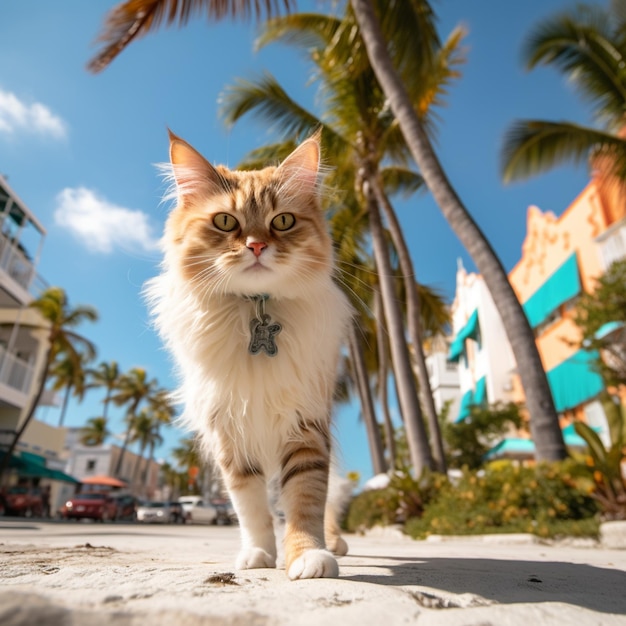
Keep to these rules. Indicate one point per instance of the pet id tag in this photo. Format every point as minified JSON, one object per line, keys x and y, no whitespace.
{"x":263,"y":332}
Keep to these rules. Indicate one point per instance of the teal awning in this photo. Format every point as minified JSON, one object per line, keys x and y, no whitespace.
{"x":519,"y":447}
{"x":469,"y":331}
{"x":575,"y":381}
{"x":512,"y":446}
{"x":476,"y":397}
{"x":608,"y":329}
{"x":466,"y":403}
{"x":480,"y":393}
{"x":562,"y":286}
{"x":29,"y":465}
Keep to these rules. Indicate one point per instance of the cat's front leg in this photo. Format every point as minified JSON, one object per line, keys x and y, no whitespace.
{"x":248,"y":492}
{"x":304,"y":483}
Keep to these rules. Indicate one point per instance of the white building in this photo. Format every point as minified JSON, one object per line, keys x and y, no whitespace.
{"x":486,"y":365}
{"x":23,"y":333}
{"x":444,"y":378}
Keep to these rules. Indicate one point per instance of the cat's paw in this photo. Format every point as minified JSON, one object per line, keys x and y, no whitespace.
{"x":338,"y":546}
{"x":314,"y":564}
{"x":255,"y":558}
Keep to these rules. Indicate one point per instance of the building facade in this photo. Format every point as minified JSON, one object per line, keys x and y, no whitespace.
{"x":23,"y":332}
{"x":443,"y":376}
{"x":561,"y":258}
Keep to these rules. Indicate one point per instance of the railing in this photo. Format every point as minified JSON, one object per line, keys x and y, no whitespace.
{"x":15,"y":262}
{"x":613,"y":246}
{"x":15,"y":372}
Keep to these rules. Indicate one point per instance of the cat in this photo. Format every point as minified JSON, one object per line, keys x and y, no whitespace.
{"x":247,"y":304}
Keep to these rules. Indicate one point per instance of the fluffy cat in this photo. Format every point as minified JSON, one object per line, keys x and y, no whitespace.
{"x":248,"y":307}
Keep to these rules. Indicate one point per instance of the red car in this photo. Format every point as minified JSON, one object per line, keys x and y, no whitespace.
{"x":96,"y":506}
{"x":21,"y":500}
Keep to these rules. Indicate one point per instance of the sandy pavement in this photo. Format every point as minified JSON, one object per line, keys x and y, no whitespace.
{"x":69,"y":574}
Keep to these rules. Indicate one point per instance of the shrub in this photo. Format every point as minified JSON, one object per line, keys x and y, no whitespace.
{"x":508,"y":498}
{"x":404,"y":498}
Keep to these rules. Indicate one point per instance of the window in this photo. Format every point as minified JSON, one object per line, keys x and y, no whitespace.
{"x":91,"y":465}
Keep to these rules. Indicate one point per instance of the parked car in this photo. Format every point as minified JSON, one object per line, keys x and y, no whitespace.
{"x":160,"y":512}
{"x":202,"y":512}
{"x":126,"y":507}
{"x":187,"y":503}
{"x":23,"y":501}
{"x":90,"y":505}
{"x":225,"y":512}
{"x":177,"y":512}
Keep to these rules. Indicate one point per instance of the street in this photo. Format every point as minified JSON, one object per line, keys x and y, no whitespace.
{"x":131,"y":574}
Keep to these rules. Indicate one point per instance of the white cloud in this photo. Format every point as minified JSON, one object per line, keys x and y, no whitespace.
{"x":16,"y":115}
{"x":100,"y":225}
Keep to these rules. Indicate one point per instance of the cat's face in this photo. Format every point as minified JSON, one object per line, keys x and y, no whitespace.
{"x":248,"y":233}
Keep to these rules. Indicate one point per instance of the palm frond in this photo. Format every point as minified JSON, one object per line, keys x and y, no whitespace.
{"x":582,"y":45}
{"x":135,"y":18}
{"x":532,"y":147}
{"x":401,"y":180}
{"x":270,"y":154}
{"x":308,"y":31}
{"x":270,"y":102}
{"x":434,"y":310}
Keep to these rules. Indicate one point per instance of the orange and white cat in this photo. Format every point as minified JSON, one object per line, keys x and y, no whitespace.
{"x":247,"y":304}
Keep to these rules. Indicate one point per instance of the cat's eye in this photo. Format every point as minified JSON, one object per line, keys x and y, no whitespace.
{"x":284,"y":221}
{"x":225,"y":222}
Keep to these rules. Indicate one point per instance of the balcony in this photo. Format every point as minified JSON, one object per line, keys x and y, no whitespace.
{"x":21,"y":240}
{"x":612,"y":243}
{"x":15,"y":372}
{"x":15,"y":263}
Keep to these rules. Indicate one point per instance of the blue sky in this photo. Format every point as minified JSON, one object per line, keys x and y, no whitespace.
{"x":80,"y":151}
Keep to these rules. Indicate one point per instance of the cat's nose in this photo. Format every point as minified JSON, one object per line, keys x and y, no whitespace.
{"x":256,"y":247}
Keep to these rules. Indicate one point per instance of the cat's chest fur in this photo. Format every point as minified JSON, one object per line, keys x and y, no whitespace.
{"x":252,"y":396}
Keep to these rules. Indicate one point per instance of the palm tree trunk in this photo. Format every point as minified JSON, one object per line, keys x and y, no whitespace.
{"x":137,"y":468}
{"x":147,"y":466}
{"x":405,"y":379}
{"x":382,"y":347}
{"x":107,"y":400}
{"x":66,"y":400}
{"x":118,"y":466}
{"x":544,"y":420}
{"x":414,"y":324}
{"x":367,"y":405}
{"x":4,"y":464}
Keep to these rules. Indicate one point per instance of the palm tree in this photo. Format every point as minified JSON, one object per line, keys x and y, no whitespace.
{"x":95,"y":432}
{"x":413,"y":39}
{"x":105,"y":375}
{"x":59,"y":320}
{"x":173,"y":479}
{"x":162,"y":411}
{"x":189,"y":459}
{"x":133,"y":388}
{"x":134,"y":18}
{"x":127,"y":20}
{"x":145,"y":432}
{"x":69,"y":374}
{"x":361,"y":379}
{"x":359,"y":134}
{"x":587,"y":45}
{"x":544,"y":420}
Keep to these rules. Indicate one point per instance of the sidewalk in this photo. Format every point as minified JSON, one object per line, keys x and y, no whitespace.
{"x":103,"y":574}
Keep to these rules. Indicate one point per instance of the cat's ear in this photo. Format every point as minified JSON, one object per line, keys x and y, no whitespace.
{"x":190,"y":169}
{"x":301,"y":167}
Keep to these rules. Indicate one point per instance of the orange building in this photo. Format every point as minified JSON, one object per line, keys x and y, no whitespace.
{"x":561,"y":258}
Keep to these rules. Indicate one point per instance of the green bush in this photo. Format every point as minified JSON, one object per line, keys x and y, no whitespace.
{"x":544,"y":500}
{"x":403,"y":499}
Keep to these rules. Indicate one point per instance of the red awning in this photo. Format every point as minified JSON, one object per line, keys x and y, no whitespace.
{"x":105,"y":481}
